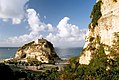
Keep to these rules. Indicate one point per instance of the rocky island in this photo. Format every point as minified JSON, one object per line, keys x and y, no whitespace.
{"x":41,"y":50}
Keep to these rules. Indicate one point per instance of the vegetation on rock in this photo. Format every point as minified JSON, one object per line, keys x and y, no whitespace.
{"x":100,"y":68}
{"x":26,"y":45}
{"x":41,"y":50}
{"x":95,"y":14}
{"x":114,"y":49}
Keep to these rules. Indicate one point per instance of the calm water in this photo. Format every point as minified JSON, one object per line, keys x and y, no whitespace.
{"x":64,"y":53}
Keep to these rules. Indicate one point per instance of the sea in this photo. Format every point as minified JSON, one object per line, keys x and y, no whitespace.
{"x":63,"y":53}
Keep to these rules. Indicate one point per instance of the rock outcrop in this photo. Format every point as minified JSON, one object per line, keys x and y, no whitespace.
{"x":41,"y":50}
{"x":105,"y":23}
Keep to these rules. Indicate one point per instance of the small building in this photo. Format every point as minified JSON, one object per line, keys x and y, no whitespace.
{"x":40,"y":41}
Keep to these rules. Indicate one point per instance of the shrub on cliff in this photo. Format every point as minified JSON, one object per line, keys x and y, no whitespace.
{"x":95,"y":14}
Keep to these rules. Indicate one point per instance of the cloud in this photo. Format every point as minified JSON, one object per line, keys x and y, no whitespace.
{"x":63,"y":27}
{"x":45,"y":17}
{"x":13,"y":9}
{"x":34,"y":22}
{"x":50,"y":28}
{"x":66,"y":29}
{"x":35,"y":26}
{"x":67,"y":35}
{"x":5,"y":20}
{"x":23,"y":38}
{"x":64,"y":34}
{"x":16,"y":21}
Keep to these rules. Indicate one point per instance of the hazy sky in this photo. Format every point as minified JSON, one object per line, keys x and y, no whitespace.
{"x":63,"y":22}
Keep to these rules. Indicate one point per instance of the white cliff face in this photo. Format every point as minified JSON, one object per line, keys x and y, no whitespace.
{"x":109,"y":22}
{"x":85,"y":58}
{"x":107,"y":25}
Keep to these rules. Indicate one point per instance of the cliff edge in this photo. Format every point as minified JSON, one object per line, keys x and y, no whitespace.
{"x":103,"y":30}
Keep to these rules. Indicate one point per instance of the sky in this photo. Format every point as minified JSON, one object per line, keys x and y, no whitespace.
{"x":62,"y":22}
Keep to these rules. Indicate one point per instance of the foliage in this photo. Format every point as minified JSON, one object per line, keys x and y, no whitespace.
{"x":6,"y":72}
{"x":26,"y":45}
{"x":70,"y":71}
{"x":33,"y":62}
{"x":116,"y":42}
{"x":114,"y":49}
{"x":47,"y":75}
{"x":95,"y":14}
{"x":100,"y":68}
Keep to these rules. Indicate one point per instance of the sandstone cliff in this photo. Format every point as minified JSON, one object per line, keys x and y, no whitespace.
{"x":104,"y":24}
{"x":41,"y":50}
